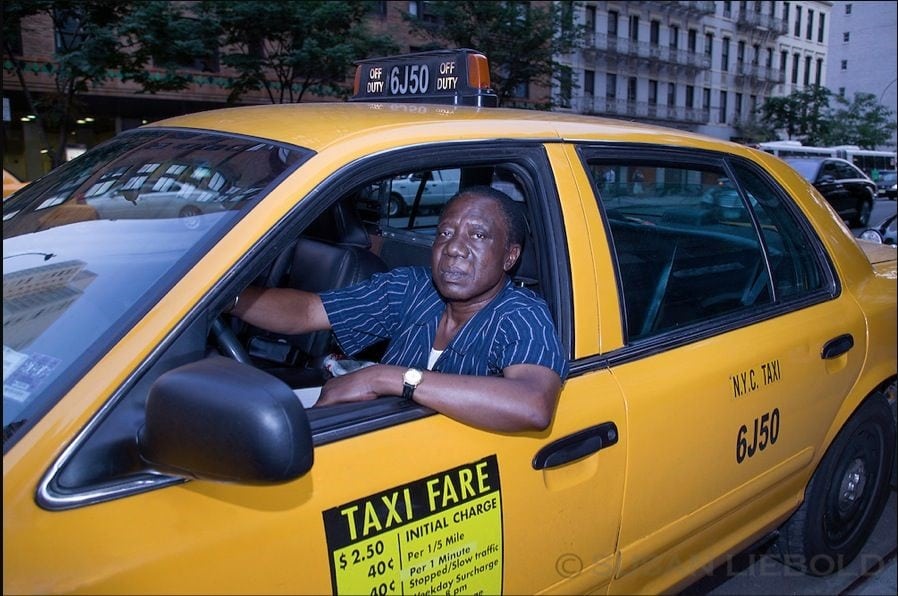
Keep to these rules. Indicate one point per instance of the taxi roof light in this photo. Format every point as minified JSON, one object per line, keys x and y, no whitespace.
{"x":456,"y":77}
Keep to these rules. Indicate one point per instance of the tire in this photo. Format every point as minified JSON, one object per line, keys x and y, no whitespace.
{"x":864,"y":209}
{"x":846,"y":494}
{"x":395,"y":206}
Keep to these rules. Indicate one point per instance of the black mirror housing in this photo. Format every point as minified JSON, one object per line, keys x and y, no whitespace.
{"x":218,"y":419}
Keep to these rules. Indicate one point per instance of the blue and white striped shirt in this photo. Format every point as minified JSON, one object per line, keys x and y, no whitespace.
{"x":404,"y":307}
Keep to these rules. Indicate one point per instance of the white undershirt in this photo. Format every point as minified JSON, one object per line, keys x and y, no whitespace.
{"x":432,"y":359}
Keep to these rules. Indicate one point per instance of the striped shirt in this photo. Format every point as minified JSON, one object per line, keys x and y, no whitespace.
{"x":404,"y":307}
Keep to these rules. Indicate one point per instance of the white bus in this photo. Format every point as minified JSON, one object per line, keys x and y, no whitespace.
{"x":868,"y":160}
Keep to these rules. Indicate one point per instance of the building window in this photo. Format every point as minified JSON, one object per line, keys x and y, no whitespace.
{"x":819,"y":72}
{"x":844,"y":64}
{"x":380,"y":8}
{"x":690,"y":96}
{"x":706,"y":98}
{"x":784,"y":60}
{"x":709,"y":44}
{"x":692,"y":42}
{"x":655,"y":33}
{"x":589,"y":82}
{"x":769,"y":62}
{"x":841,"y":91}
{"x":848,"y":8}
{"x":590,"y":19}
{"x":634,"y":27}
{"x":674,"y":37}
{"x":786,"y":12}
{"x":821,"y":27}
{"x":67,"y":35}
{"x":795,"y":59}
{"x":846,"y":37}
{"x":414,"y":8}
{"x":612,"y":23}
{"x":727,"y":9}
{"x":725,"y":54}
{"x":610,"y":86}
{"x":521,"y":90}
{"x":567,"y":87}
{"x":722,"y":117}
{"x":653,"y":92}
{"x":809,"y":32}
{"x":738,"y":106}
{"x":807,"y":71}
{"x":740,"y":53}
{"x":671,"y":94}
{"x":631,"y":89}
{"x":797,"y":30}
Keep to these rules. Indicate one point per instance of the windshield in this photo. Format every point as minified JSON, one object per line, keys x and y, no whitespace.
{"x":91,"y":247}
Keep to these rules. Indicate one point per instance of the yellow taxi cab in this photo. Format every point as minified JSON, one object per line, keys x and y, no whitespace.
{"x":732,"y":352}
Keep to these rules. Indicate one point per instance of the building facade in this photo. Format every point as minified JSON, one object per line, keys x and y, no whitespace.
{"x":863,"y":53}
{"x":699,"y":66}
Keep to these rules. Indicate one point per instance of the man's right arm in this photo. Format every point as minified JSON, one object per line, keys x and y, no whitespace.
{"x":282,"y":310}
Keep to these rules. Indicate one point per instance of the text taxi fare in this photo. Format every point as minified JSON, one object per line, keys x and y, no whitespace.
{"x":732,"y":370}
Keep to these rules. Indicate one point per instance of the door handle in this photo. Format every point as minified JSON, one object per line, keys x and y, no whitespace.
{"x":572,"y":447}
{"x":837,"y":346}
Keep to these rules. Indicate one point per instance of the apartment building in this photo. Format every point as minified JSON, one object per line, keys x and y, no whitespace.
{"x":863,"y":53}
{"x":699,"y":66}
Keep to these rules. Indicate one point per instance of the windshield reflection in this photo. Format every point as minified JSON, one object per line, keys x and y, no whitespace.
{"x":90,"y":248}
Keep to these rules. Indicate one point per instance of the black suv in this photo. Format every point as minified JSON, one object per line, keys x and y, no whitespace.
{"x":844,"y":185}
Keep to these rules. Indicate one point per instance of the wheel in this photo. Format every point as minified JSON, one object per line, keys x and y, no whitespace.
{"x":227,"y":341}
{"x":396,"y":206}
{"x":864,"y":209}
{"x":846,"y":495}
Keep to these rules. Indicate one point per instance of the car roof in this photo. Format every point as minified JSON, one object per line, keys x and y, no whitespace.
{"x":318,"y":126}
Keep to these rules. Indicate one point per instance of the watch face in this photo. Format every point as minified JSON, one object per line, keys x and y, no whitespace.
{"x":413,"y":376}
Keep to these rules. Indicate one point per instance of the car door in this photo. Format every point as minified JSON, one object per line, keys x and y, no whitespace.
{"x":722,"y":366}
{"x":397,"y":500}
{"x":830,"y":183}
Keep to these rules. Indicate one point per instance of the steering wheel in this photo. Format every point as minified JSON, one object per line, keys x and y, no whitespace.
{"x":227,"y":341}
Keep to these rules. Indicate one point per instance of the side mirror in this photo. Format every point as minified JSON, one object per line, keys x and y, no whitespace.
{"x":826,"y":179}
{"x":218,"y":419}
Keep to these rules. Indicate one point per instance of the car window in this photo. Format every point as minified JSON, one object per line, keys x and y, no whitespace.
{"x":829,"y":168}
{"x":404,"y":209}
{"x":687,"y":247}
{"x":793,"y":256}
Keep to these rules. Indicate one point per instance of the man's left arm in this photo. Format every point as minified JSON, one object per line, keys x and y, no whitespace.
{"x":522,"y":400}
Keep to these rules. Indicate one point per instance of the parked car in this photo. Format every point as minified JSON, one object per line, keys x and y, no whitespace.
{"x":884,"y":233}
{"x":887,"y":184}
{"x":731,"y":359}
{"x":10,"y":183}
{"x":850,"y":192}
{"x":435,"y":186}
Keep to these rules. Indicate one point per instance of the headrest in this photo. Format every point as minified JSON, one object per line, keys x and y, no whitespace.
{"x":340,"y":224}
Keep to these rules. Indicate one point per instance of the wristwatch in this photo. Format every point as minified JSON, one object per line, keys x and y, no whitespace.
{"x":410,"y":380}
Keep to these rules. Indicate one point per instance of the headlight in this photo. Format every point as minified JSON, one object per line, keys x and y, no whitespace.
{"x":871,"y":235}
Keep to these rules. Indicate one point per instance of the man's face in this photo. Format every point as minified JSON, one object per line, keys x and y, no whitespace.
{"x":471,"y":254}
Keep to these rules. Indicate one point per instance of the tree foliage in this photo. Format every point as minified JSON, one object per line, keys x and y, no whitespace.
{"x":521,"y":39}
{"x":806,"y":115}
{"x":96,"y":40}
{"x":307,"y":46}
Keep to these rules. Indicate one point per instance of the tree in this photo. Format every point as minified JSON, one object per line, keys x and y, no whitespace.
{"x":806,"y":115}
{"x":521,"y":39}
{"x":94,"y":41}
{"x":306,"y":46}
{"x":802,"y":114}
{"x":862,"y":122}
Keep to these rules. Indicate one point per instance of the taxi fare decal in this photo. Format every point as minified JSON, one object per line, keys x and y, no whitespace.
{"x":746,"y":381}
{"x":440,"y":534}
